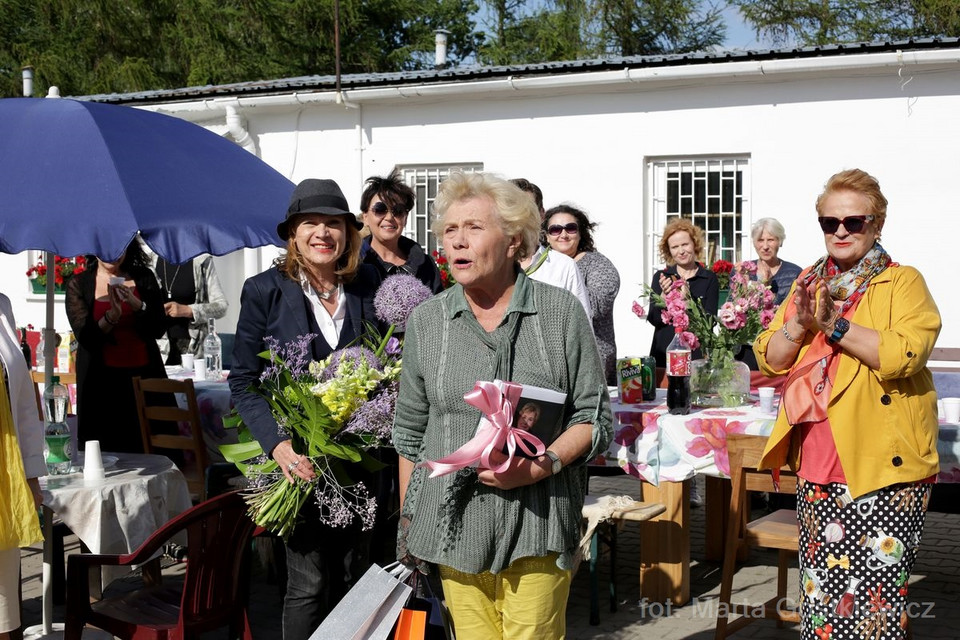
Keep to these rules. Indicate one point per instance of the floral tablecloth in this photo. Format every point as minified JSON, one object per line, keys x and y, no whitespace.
{"x":655,"y":446}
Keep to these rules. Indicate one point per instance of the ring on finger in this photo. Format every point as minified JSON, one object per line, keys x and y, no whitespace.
{"x":293,"y":465}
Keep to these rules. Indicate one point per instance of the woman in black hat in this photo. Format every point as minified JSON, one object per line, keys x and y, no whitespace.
{"x":319,"y":287}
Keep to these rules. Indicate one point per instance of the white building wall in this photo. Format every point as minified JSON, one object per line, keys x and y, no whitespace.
{"x":590,"y":146}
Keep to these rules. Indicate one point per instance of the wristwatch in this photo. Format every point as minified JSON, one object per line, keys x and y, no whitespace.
{"x":555,"y":463}
{"x":840,"y":327}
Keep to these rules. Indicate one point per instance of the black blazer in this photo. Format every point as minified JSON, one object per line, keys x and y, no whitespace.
{"x":273,"y":305}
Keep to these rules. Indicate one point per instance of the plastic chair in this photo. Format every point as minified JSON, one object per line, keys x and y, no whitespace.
{"x":213,"y":593}
{"x":778,"y":530}
{"x":153,"y":406}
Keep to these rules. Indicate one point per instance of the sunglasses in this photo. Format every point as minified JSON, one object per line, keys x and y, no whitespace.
{"x":380,"y":209}
{"x":853,"y":224}
{"x":557,"y":229}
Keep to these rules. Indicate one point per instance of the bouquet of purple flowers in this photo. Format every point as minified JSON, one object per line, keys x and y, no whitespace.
{"x":335,"y":411}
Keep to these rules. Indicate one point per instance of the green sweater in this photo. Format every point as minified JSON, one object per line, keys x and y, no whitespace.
{"x":544,"y":340}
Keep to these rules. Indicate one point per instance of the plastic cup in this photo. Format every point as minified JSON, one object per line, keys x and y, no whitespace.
{"x":199,"y":369}
{"x":187,"y":361}
{"x":766,"y":399}
{"x":92,"y":463}
{"x":951,"y":410}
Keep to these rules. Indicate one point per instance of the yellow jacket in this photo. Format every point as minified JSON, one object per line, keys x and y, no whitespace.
{"x":884,"y":422}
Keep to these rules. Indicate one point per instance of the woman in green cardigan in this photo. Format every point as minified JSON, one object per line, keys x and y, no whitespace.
{"x":504,"y":542}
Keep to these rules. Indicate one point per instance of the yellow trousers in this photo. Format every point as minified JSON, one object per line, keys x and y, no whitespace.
{"x":526,"y":601}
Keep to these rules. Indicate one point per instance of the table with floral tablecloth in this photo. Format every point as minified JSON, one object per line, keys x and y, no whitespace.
{"x":655,"y":446}
{"x":666,"y":451}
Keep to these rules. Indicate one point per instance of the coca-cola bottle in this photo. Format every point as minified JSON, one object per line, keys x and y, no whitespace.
{"x":678,"y":375}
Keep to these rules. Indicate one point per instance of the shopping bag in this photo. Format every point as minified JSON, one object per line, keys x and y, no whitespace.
{"x":424,"y":605}
{"x":370,"y":608}
{"x":412,"y":625}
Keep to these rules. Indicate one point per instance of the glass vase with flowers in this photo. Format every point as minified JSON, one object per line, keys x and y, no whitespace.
{"x":719,"y":379}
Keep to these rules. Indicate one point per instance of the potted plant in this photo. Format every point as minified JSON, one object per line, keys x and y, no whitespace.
{"x":63,"y":270}
{"x":722,"y":269}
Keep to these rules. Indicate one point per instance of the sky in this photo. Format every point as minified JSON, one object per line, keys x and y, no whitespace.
{"x":739,"y":34}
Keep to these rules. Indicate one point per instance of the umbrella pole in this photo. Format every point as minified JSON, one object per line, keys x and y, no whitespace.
{"x":49,"y":333}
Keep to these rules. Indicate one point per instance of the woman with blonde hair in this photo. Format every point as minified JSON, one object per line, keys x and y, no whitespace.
{"x":680,"y":246}
{"x":319,"y":288}
{"x":503,"y":541}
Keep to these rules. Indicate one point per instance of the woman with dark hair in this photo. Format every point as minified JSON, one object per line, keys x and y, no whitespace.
{"x":319,"y":287}
{"x":115,"y":309}
{"x":569,"y":231}
{"x":386,"y":203}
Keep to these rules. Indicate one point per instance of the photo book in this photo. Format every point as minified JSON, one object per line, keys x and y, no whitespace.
{"x":540,"y":412}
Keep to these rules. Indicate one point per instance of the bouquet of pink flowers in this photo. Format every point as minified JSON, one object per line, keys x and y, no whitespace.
{"x":748,"y":310}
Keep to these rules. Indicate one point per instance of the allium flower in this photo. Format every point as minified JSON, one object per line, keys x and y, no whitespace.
{"x":375,"y":417}
{"x":353,"y":355}
{"x":397,"y":297}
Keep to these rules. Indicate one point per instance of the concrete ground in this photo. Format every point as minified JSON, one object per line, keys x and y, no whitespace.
{"x":935,"y":587}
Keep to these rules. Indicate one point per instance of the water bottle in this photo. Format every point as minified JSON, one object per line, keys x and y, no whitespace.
{"x":41,"y":361}
{"x":57,"y":450}
{"x":212,"y":351}
{"x":25,"y":348}
{"x":678,"y":376}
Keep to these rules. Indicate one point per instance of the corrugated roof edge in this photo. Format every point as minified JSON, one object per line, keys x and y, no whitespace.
{"x":477,"y":72}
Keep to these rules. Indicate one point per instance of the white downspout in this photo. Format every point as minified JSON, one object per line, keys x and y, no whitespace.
{"x":239,"y":133}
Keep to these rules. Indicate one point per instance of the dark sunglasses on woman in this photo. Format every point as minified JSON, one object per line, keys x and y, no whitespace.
{"x":557,"y":229}
{"x":853,"y":224}
{"x":380,"y":209}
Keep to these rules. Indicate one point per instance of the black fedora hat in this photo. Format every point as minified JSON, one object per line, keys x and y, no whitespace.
{"x":314,"y":195}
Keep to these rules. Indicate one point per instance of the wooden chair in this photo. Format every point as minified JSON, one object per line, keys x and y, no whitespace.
{"x":153,"y":406}
{"x":213,"y":593}
{"x":609,"y":520}
{"x":778,"y":530}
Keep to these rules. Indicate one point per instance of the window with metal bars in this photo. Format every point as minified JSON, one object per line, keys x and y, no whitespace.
{"x":425,"y":180}
{"x":713,"y":193}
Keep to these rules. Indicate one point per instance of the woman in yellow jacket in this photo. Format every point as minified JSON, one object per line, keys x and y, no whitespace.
{"x":858,"y":419}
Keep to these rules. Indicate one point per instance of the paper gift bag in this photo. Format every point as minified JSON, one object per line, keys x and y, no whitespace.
{"x":424,"y":605}
{"x":412,"y":625}
{"x":370,"y":608}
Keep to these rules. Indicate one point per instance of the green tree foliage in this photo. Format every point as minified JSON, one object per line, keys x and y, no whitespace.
{"x":553,"y":31}
{"x":102,"y":46}
{"x":651,"y":27}
{"x":821,"y":22}
{"x":521,"y":32}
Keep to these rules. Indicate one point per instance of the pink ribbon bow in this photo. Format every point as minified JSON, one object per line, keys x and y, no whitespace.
{"x":496,"y":400}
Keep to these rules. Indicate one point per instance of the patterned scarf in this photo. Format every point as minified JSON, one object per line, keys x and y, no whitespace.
{"x":807,"y":390}
{"x":850,"y":286}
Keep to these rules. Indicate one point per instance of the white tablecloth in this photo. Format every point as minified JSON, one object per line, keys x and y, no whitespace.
{"x":137,"y":496}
